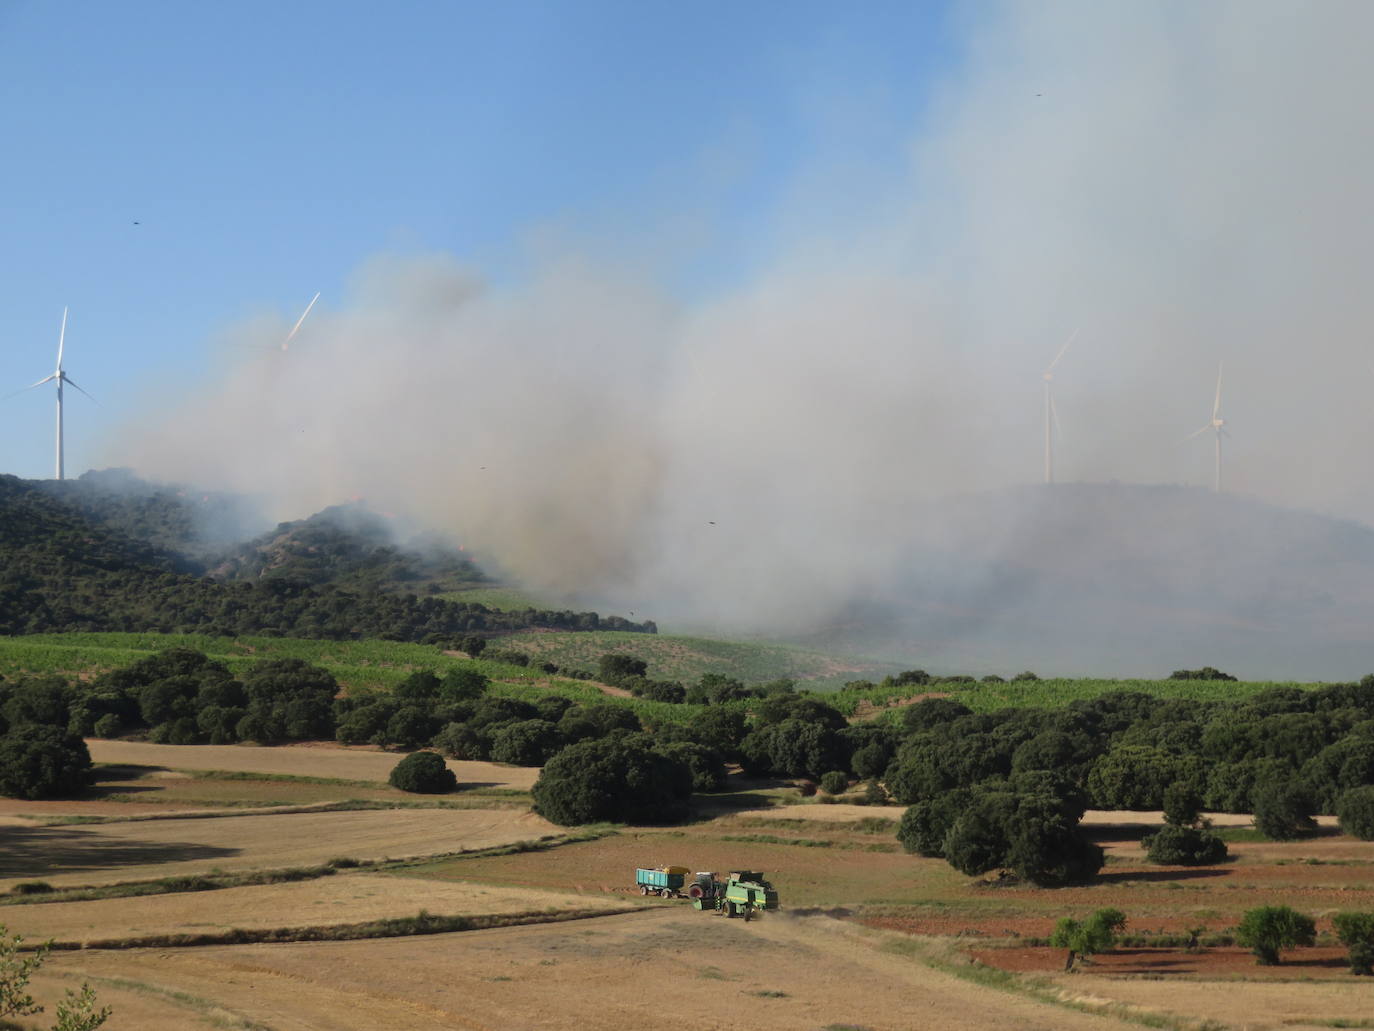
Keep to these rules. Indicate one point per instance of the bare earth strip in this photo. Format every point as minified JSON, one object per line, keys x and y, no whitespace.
{"x":341,"y":899}
{"x":312,"y":760}
{"x":105,"y":853}
{"x":1252,"y":1005}
{"x":665,"y":970}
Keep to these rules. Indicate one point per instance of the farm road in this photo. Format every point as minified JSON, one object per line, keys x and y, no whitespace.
{"x":672,"y":969}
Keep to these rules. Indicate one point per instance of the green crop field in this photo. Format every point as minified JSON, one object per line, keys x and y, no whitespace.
{"x":685,"y":659}
{"x":380,"y":665}
{"x":1055,"y":693}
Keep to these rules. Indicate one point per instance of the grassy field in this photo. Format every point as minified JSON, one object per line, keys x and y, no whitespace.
{"x":864,"y":929}
{"x":685,"y":659}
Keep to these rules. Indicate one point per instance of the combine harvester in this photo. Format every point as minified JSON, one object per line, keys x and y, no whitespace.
{"x":742,"y":893}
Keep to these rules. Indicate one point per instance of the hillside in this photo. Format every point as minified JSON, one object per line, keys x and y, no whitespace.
{"x":61,"y":569}
{"x":1123,"y":580}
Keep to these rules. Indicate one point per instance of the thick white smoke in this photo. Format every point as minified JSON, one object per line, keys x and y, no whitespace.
{"x":1182,"y":183}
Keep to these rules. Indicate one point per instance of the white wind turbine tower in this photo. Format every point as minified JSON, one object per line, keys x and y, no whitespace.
{"x":1218,"y":428}
{"x":61,"y":378}
{"x":1051,"y":415}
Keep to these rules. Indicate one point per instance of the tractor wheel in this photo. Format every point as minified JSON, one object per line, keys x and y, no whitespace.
{"x":696,"y":891}
{"x":644,"y":889}
{"x":667,"y":893}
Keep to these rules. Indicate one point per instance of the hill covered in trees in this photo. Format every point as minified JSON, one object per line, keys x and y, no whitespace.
{"x":93,"y":559}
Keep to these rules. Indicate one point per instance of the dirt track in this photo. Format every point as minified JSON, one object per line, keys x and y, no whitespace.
{"x":659,"y":970}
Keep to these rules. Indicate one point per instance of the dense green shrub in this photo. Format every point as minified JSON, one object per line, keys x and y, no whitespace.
{"x":39,"y":761}
{"x":423,"y":773}
{"x":1269,"y":929}
{"x":1356,"y":932}
{"x":616,"y":778}
{"x":1175,"y":845}
{"x":706,"y":766}
{"x":1182,"y":804}
{"x":463,"y":684}
{"x":525,"y":743}
{"x":1355,"y":810}
{"x":836,"y":782}
{"x":927,"y":823}
{"x":1283,"y":810}
{"x":1089,"y":937}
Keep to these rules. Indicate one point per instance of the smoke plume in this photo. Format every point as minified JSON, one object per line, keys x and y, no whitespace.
{"x":1183,"y":184}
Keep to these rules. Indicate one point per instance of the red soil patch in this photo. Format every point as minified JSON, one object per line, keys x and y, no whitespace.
{"x":1320,"y":963}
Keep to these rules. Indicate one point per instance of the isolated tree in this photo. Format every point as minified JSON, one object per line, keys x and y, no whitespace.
{"x":1088,"y":937}
{"x":615,"y":778}
{"x":1268,"y":929}
{"x":423,"y":773}
{"x":43,"y":762}
{"x":1175,"y":845}
{"x":836,"y":782}
{"x":1356,"y":932}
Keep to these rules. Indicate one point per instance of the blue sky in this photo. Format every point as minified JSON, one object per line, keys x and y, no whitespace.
{"x":267,"y":150}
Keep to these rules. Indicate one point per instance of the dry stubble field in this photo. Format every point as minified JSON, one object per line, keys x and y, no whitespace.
{"x":870,"y":937}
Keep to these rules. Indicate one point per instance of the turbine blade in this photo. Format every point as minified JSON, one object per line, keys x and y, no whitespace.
{"x":16,"y":393}
{"x":1197,"y":433}
{"x":1062,"y":351}
{"x":290,"y":336}
{"x":72,"y":383}
{"x":1216,"y":405}
{"x":61,"y":339}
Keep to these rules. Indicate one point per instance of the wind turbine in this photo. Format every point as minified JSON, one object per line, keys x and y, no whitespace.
{"x":1218,"y":427}
{"x":61,"y":378}
{"x":292,"y":335}
{"x":1051,"y":414}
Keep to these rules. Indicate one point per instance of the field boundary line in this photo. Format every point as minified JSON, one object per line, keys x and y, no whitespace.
{"x":396,"y":927}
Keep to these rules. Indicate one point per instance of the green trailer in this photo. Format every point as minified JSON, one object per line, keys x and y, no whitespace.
{"x":743,"y":893}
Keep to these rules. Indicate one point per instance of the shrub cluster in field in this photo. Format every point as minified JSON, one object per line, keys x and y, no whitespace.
{"x":1266,"y":930}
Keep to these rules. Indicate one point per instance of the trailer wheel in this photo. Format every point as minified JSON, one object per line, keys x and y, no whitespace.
{"x":667,"y":893}
{"x":730,"y":910}
{"x":644,"y":889}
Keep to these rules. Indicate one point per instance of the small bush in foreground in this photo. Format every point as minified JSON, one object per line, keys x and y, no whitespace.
{"x":1091,"y":936}
{"x":423,"y":773}
{"x":1173,"y":845}
{"x":1356,"y":932}
{"x":77,"y":1010}
{"x":1269,"y":929}
{"x":1355,"y":810}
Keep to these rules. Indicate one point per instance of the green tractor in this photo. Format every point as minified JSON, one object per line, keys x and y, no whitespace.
{"x":742,"y":894}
